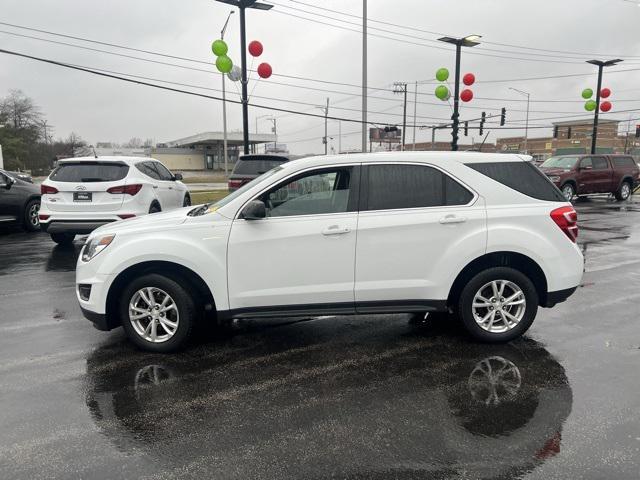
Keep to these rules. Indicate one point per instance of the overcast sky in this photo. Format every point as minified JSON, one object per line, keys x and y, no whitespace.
{"x":101,"y":109}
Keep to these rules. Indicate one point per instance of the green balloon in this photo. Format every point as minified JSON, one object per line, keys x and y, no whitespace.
{"x":442,"y":92}
{"x":587,"y":93}
{"x":224,"y":64}
{"x":590,"y":105}
{"x":442,"y":74}
{"x":219,"y":48}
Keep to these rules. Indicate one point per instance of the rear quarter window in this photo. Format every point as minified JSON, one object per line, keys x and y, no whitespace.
{"x":89,"y":172}
{"x":523,"y":177}
{"x":623,"y":162}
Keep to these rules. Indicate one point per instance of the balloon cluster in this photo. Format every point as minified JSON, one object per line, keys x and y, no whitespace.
{"x":591,"y":104}
{"x":256,"y":49}
{"x":223,"y":62}
{"x":443,"y":92}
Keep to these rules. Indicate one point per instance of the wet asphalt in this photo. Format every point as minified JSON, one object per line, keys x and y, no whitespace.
{"x":328,"y":397}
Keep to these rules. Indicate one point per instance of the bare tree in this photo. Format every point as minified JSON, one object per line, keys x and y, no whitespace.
{"x":134,"y":142}
{"x":19,"y":110}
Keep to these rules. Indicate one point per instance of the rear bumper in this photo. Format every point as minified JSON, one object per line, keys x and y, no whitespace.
{"x":558,"y":296}
{"x":73,"y":226}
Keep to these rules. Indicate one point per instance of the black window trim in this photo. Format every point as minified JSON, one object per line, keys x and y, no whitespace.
{"x":364,"y":187}
{"x":354,"y":193}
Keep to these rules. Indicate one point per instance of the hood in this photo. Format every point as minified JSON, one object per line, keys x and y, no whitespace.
{"x":151,"y":222}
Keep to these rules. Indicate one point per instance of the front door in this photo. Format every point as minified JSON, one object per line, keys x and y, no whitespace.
{"x":301,"y":257}
{"x":415,"y":224}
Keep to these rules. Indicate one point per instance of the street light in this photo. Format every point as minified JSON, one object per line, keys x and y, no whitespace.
{"x":243,"y":5}
{"x":468,"y":41}
{"x":224,"y":106}
{"x":600,"y":64}
{"x":526,"y":126}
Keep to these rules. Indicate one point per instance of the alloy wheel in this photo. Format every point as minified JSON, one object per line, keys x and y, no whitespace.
{"x":153,"y":314}
{"x":567,"y":191}
{"x":32,"y":215}
{"x":498,"y":306}
{"x":625,"y":191}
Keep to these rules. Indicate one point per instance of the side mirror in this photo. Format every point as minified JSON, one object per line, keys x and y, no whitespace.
{"x":7,"y":182}
{"x":177,"y":176}
{"x":255,"y":210}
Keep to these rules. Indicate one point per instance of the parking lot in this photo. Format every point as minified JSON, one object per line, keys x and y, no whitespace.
{"x":345,"y":397}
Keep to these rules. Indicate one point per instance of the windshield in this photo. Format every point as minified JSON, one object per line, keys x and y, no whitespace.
{"x":560,"y":162}
{"x":212,"y":207}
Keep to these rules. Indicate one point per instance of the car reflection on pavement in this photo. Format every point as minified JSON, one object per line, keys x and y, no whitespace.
{"x":400,"y":406}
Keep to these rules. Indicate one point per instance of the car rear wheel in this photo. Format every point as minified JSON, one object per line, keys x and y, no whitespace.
{"x":498,"y":305}
{"x":624,"y":192}
{"x":31,"y":222}
{"x":63,"y":238}
{"x":187,"y":201}
{"x":157,"y":313}
{"x":155,"y":208}
{"x":568,"y":191}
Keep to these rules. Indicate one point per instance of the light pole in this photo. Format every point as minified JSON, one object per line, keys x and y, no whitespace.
{"x":224,"y":107}
{"x":243,"y":5}
{"x":468,"y":41}
{"x":600,"y":64}
{"x":526,"y":125}
{"x":401,"y":87}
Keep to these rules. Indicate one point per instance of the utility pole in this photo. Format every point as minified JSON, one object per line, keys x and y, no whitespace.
{"x":242,"y":6}
{"x":415,"y":108}
{"x":224,"y":107}
{"x":401,"y":87}
{"x":468,"y":41}
{"x":325,"y":139}
{"x":600,"y":64}
{"x":339,"y":137}
{"x":364,"y":76}
{"x":526,"y":125}
{"x":275,"y":132}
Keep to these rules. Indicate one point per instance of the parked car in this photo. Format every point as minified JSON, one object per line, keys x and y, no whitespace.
{"x":588,"y":174}
{"x":81,"y":194}
{"x":19,"y":202}
{"x":249,"y":167}
{"x":487,"y":236}
{"x":21,"y":176}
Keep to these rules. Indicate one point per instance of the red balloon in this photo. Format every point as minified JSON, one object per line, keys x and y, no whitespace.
{"x":605,"y":92}
{"x":466,"y":95}
{"x":255,"y":48}
{"x":469,"y":79}
{"x":264,"y":70}
{"x":606,"y":106}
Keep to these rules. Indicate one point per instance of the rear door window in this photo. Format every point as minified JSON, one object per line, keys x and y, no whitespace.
{"x":411,"y":186}
{"x":89,"y":172}
{"x":523,"y":177}
{"x":600,"y":163}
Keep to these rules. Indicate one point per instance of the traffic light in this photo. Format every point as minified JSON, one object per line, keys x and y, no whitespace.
{"x":482,"y":119}
{"x":466,"y":129}
{"x":503,"y":116}
{"x":637,"y":131}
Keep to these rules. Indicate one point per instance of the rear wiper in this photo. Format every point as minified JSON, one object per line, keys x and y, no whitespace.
{"x":91,"y":179}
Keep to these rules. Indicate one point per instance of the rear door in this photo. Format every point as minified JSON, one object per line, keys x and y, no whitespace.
{"x":83,"y":186}
{"x":174,"y":194}
{"x":412,"y":218}
{"x":602,"y":175}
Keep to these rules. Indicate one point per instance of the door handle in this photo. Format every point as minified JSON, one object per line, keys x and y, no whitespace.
{"x":155,"y":186}
{"x":450,"y":219}
{"x":335,"y":230}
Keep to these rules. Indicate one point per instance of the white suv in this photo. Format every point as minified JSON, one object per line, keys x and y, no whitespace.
{"x":82,"y":194}
{"x":485,"y":236}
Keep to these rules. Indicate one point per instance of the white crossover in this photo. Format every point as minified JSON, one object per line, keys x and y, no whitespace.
{"x":485,"y":237}
{"x":82,"y":194}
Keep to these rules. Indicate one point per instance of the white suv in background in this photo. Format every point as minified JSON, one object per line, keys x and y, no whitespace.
{"x":82,"y":194}
{"x":485,"y":236}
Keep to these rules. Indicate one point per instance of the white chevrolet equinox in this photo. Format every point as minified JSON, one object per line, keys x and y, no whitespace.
{"x":484,"y":236}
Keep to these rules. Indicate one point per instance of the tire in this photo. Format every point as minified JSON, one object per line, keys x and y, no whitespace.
{"x":187,"y":201}
{"x":183,"y":315}
{"x":155,"y":208}
{"x":569,"y":191}
{"x":624,"y":192}
{"x":30,"y":222}
{"x":63,"y":238}
{"x":504,"y":328}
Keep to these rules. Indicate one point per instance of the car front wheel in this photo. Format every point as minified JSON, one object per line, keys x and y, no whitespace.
{"x":498,"y":305}
{"x":157,"y":313}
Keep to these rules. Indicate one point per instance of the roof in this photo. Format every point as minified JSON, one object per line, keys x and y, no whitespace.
{"x":233,"y":138}
{"x":115,"y":159}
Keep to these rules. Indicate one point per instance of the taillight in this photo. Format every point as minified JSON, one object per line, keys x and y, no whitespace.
{"x":125,"y":189}
{"x":567,"y":219}
{"x":235,"y":183}
{"x":47,"y":189}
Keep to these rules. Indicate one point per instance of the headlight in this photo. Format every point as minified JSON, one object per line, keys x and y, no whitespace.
{"x":554,"y":178}
{"x":94,"y":246}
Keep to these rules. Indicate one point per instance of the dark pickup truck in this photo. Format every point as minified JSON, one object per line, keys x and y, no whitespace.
{"x":587,"y":174}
